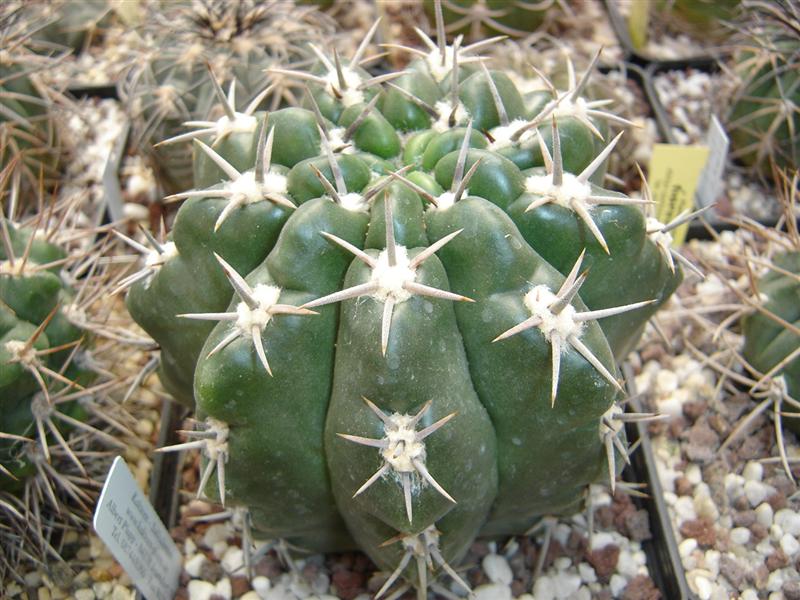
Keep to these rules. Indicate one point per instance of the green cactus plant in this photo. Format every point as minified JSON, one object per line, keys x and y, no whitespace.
{"x":478,"y":19}
{"x":27,"y":133}
{"x":168,"y":85}
{"x":379,"y":356}
{"x":50,"y":396}
{"x":764,"y":117}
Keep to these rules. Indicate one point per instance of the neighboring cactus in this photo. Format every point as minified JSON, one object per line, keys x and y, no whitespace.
{"x":448,"y":381}
{"x":478,"y":19}
{"x":48,"y":397}
{"x":168,"y":83}
{"x":27,"y":132}
{"x":764,"y":118}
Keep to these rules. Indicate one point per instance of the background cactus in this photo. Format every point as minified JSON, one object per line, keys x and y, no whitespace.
{"x":478,"y":19}
{"x":27,"y":132}
{"x":353,"y":298}
{"x":51,"y":385}
{"x":764,"y":118}
{"x":168,"y":82}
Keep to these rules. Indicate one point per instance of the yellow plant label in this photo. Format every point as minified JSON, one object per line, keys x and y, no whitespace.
{"x":673,"y":177}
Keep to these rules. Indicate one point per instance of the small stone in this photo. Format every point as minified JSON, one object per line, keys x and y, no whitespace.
{"x":777,"y":560}
{"x":249,"y":596}
{"x":587,"y":573}
{"x":84,"y":594}
{"x":497,"y":569}
{"x":232,"y":560}
{"x":218,"y":532}
{"x":42,"y":593}
{"x":745,"y":518}
{"x":492,"y":591}
{"x":240,"y":586}
{"x":122,"y":593}
{"x":759,"y":531}
{"x":740,"y":536}
{"x":544,"y":589}
{"x":703,"y":587}
{"x":102,"y":589}
{"x":566,"y":584}
{"x":749,"y":594}
{"x":756,"y":492}
{"x":604,"y":560}
{"x":789,"y":545}
{"x":791,"y":590}
{"x":261,"y":585}
{"x":617,"y":585}
{"x":223,"y":589}
{"x":753,"y":471}
{"x":776,"y":580}
{"x":683,"y":487}
{"x":789,"y":521}
{"x":200,"y":590}
{"x":211,"y":571}
{"x":194,"y":565}
{"x":764,"y":514}
{"x":686,"y":547}
{"x":701,"y":530}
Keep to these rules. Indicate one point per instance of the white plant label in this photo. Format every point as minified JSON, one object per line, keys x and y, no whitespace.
{"x":127,"y":523}
{"x":710,"y":184}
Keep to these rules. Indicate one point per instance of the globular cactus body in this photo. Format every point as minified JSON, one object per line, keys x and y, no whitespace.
{"x":771,"y":335}
{"x":398,"y":362}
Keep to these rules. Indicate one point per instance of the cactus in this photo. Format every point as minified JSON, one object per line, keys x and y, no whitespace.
{"x":379,"y":355}
{"x":168,"y":83}
{"x":478,"y":19}
{"x":764,"y":117}
{"x":50,"y":396}
{"x":27,"y":133}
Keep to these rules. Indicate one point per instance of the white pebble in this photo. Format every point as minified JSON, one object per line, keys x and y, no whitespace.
{"x":703,"y":586}
{"x":776,"y":532}
{"x":776,"y":596}
{"x":693,"y":474}
{"x":789,"y":545}
{"x":733,"y":485}
{"x":223,"y":588}
{"x":200,"y":590}
{"x":753,"y":471}
{"x":497,"y":569}
{"x":583,"y":593}
{"x":704,"y":506}
{"x":789,"y":521}
{"x":749,"y":594}
{"x":764,"y":514}
{"x":562,"y":563}
{"x":740,"y":535}
{"x":189,"y":547}
{"x":218,"y":532}
{"x":626,"y":565}
{"x":249,"y":596}
{"x":587,"y":573}
{"x":684,"y":509}
{"x":194,"y":565}
{"x":492,"y":591}
{"x":776,"y":580}
{"x":232,"y":560}
{"x":261,"y":585}
{"x":755,"y":491}
{"x":219,"y":548}
{"x":687,"y":546}
{"x":84,"y":594}
{"x":601,"y":539}
{"x":544,"y":588}
{"x":765,"y":547}
{"x":617,"y":584}
{"x":711,"y":560}
{"x":566,"y":584}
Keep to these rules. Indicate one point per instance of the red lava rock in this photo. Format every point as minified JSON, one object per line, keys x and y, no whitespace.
{"x":777,"y":560}
{"x":719,"y":424}
{"x":603,"y":517}
{"x":637,"y":526}
{"x":348,"y":584}
{"x":268,"y":566}
{"x":758,"y":531}
{"x":683,"y":487}
{"x":701,"y":530}
{"x":760,"y":576}
{"x":182,"y":594}
{"x":518,"y":588}
{"x":744,"y":518}
{"x":741,"y":503}
{"x":732,"y":570}
{"x":604,"y":560}
{"x":179,"y":533}
{"x":693,"y":410}
{"x":777,"y":501}
{"x":677,"y":426}
{"x":239,"y":585}
{"x":791,"y":590}
{"x":641,"y":587}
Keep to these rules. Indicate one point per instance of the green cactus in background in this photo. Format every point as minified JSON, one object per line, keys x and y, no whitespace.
{"x":27,"y":132}
{"x":50,"y":397}
{"x":168,"y":82}
{"x":379,"y":305}
{"x":478,"y":19}
{"x":772,"y":333}
{"x":764,"y":118}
